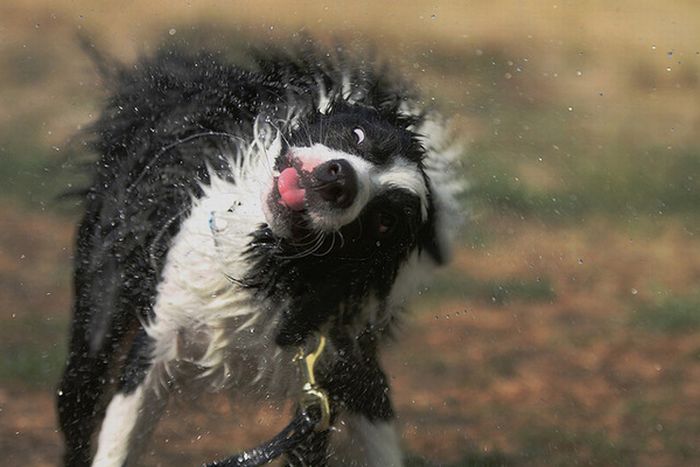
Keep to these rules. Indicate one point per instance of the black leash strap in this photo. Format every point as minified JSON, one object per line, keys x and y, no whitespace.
{"x":301,"y":426}
{"x":313,"y":416}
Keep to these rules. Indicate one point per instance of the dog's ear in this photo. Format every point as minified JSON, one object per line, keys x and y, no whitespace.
{"x":431,"y":240}
{"x":432,"y":247}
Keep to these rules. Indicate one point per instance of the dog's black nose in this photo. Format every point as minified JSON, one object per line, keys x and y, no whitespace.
{"x":336,"y":182}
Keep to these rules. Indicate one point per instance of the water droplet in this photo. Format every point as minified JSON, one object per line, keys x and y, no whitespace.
{"x":571,"y":109}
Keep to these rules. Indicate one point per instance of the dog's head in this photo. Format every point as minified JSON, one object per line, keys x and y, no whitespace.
{"x":352,"y":186}
{"x":350,"y":208}
{"x":356,"y":200}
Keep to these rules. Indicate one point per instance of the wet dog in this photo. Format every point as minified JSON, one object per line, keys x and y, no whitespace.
{"x":233,"y":213}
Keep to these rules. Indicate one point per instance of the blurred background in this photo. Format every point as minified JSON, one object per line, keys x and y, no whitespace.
{"x":566,"y":331}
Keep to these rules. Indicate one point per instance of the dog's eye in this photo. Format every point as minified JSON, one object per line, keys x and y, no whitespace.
{"x":360,"y":134}
{"x":385,"y":223}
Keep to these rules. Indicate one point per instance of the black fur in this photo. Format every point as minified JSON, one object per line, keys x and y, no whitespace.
{"x":168,"y":119}
{"x":368,"y":264}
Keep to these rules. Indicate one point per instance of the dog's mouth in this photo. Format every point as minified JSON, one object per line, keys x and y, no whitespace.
{"x":287,"y":201}
{"x":291,"y":189}
{"x":310,"y":193}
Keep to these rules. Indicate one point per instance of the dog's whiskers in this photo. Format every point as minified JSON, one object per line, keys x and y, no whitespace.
{"x":317,"y":243}
{"x":312,"y":235}
{"x":330,"y":248}
{"x":342,"y":239}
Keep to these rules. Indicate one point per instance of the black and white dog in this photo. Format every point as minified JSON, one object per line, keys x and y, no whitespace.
{"x":234,"y":212}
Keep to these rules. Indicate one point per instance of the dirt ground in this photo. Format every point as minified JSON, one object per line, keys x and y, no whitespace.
{"x":478,"y":378}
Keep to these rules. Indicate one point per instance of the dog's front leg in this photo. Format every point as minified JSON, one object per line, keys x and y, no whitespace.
{"x":360,"y":441}
{"x":130,"y":419}
{"x":134,"y":410}
{"x":380,"y":441}
{"x":364,"y":431}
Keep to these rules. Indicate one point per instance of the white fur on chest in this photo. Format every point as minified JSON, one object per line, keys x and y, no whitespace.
{"x":204,"y":321}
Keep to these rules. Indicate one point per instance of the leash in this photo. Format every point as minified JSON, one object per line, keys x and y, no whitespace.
{"x":314,"y":416}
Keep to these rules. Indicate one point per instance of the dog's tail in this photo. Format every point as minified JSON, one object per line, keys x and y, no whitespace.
{"x":110,"y":71}
{"x":109,"y":68}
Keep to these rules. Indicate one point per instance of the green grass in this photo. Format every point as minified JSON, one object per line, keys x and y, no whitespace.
{"x":505,"y":363}
{"x":672,"y":315}
{"x":474,"y":459}
{"x":558,"y":446}
{"x":536,"y":290}
{"x":500,"y":292}
{"x":694,"y":356}
{"x":31,"y":366}
{"x":619,"y":183}
{"x":35,"y":175}
{"x":30,"y":65}
{"x":616,"y":169}
{"x":647,"y":424}
{"x":32,"y":351}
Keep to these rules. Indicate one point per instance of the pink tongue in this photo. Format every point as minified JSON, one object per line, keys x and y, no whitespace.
{"x":292,"y":195}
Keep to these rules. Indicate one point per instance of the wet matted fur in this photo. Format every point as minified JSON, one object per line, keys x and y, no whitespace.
{"x":235,"y":211}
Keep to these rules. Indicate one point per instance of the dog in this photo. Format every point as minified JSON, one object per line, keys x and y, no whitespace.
{"x":235,"y":212}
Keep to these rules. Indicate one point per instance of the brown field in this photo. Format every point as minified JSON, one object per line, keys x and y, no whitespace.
{"x":566,"y":331}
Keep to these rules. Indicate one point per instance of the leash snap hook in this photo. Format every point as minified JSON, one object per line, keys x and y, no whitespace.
{"x":311,"y":393}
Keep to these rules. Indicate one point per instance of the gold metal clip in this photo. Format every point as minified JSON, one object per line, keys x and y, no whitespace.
{"x":312,"y":393}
